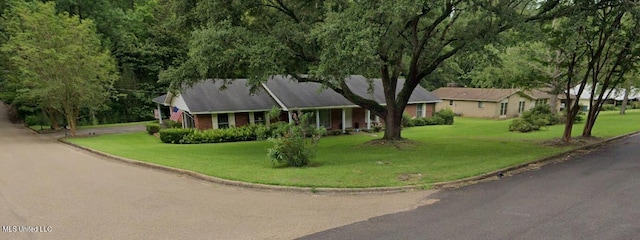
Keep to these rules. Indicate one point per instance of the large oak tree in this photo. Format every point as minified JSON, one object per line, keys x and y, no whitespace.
{"x":325,"y":41}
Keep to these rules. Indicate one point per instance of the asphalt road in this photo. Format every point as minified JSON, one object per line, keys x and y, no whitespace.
{"x":593,"y":196}
{"x":49,"y":190}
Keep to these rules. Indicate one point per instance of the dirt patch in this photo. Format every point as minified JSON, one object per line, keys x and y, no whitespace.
{"x":410,"y":177}
{"x":402,"y":144}
{"x":575,"y":142}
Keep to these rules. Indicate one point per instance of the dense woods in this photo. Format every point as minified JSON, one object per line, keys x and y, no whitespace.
{"x":102,"y":61}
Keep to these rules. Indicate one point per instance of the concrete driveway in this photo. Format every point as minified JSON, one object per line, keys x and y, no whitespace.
{"x":50,"y":190}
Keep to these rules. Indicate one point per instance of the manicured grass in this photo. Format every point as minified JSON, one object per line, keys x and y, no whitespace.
{"x":42,"y":127}
{"x":116,"y":124}
{"x":467,"y":148}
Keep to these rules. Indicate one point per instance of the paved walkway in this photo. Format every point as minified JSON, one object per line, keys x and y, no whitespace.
{"x":69,"y":194}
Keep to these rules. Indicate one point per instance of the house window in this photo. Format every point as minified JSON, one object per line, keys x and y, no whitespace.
{"x":480,"y":104}
{"x":540,"y":102}
{"x":521,"y":106}
{"x":503,"y":108}
{"x":325,"y":118}
{"x":420,"y":110}
{"x":450,"y":102}
{"x":258,"y":117}
{"x":223,"y":120}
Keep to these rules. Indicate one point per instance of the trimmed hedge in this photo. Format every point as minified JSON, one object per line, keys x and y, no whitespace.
{"x":153,"y":128}
{"x":174,"y":135}
{"x":232,"y":134}
{"x":442,"y":117}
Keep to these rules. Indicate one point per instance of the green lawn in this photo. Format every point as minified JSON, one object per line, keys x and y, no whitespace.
{"x":42,"y":127}
{"x":467,"y":148}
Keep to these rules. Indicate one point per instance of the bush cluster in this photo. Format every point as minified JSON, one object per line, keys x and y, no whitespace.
{"x":535,"y":118}
{"x":442,"y":117}
{"x":232,"y":134}
{"x":174,"y":135}
{"x":296,"y":147}
{"x":172,"y":124}
{"x":153,"y":128}
{"x":291,"y":149}
{"x":608,"y":107}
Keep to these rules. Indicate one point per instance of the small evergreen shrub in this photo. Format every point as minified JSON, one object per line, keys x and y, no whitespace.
{"x":608,"y":107}
{"x":446,"y":114}
{"x":172,"y":124}
{"x":174,"y":135}
{"x":406,"y":120}
{"x":521,"y":125}
{"x":153,"y":128}
{"x":294,"y":148}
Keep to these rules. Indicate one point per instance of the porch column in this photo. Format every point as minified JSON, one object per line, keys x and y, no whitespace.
{"x":368,"y":119}
{"x":317,"y":118}
{"x":290,"y":117}
{"x":252,"y":118}
{"x":344,"y":120}
{"x":159,"y":114}
{"x":267,"y":119}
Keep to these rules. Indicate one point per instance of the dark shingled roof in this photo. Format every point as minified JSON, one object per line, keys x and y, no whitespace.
{"x":206,"y":97}
{"x":311,"y":95}
{"x":160,"y":100}
{"x":474,"y":94}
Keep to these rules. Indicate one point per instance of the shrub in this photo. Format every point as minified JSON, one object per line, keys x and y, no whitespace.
{"x":406,"y":120}
{"x":635,"y":105}
{"x":520,"y":125}
{"x":153,"y":128}
{"x":436,"y":120}
{"x":447,"y":115}
{"x":172,"y":124}
{"x":174,"y":135}
{"x":540,"y":114}
{"x":32,"y":120}
{"x":292,"y":147}
{"x":608,"y":107}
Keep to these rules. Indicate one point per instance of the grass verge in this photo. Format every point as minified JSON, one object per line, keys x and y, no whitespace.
{"x":440,"y":153}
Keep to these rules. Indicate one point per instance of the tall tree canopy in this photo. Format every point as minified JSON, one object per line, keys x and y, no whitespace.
{"x":325,"y":41}
{"x":59,"y":60}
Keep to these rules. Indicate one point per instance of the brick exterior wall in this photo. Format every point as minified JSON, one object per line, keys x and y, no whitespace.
{"x":242,"y":119}
{"x":203,"y":121}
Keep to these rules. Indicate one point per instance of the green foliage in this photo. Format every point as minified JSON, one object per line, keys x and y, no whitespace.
{"x":172,"y":124}
{"x":608,"y":107}
{"x":324,"y":42}
{"x":534,"y":118}
{"x":540,"y":114}
{"x":290,"y":149}
{"x":153,"y":128}
{"x":34,"y":120}
{"x":447,"y":114}
{"x":407,"y":121}
{"x":521,"y":125}
{"x":64,"y":67}
{"x":174,"y":135}
{"x":297,"y":146}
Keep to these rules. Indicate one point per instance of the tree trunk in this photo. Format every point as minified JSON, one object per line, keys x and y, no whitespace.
{"x":625,"y":100}
{"x":553,"y":103}
{"x":392,"y":124}
{"x":591,"y":118}
{"x":53,"y":118}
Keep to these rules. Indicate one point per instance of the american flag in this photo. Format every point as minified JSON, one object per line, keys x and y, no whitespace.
{"x":176,"y":114}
